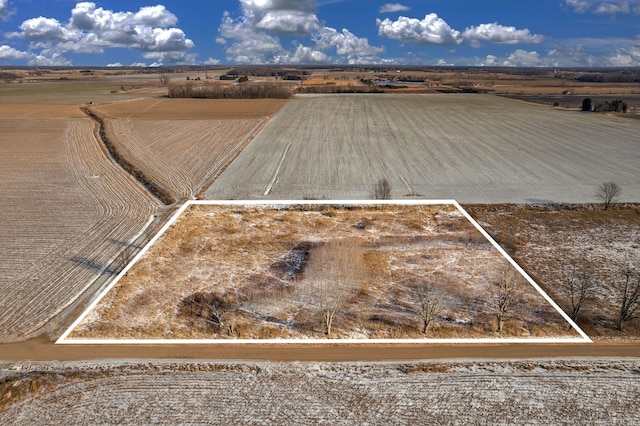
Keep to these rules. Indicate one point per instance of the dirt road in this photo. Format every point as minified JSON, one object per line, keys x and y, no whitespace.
{"x":41,"y":349}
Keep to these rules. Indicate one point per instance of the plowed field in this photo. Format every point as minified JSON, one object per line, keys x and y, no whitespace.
{"x":525,"y":392}
{"x":181,"y":156}
{"x":67,"y":213}
{"x":472,"y":148}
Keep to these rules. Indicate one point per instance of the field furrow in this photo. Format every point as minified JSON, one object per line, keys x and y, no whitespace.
{"x":472,"y":148}
{"x":58,"y":243}
{"x":269,"y":393}
{"x":182,"y":156}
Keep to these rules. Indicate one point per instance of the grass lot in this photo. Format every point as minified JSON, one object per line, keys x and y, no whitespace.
{"x":256,"y":272}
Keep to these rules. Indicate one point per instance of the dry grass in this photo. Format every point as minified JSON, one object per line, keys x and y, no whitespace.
{"x":550,"y":241}
{"x":248,"y":257}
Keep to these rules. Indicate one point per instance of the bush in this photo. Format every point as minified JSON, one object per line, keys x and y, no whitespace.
{"x":617,"y":105}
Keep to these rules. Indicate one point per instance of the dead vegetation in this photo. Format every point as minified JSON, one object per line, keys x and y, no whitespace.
{"x":585,"y":257}
{"x":306,"y":271}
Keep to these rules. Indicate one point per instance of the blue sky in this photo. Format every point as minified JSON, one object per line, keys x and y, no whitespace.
{"x":555,"y":33}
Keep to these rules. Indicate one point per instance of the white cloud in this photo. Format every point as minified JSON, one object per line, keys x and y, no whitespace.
{"x":348,"y":46}
{"x":280,"y":16}
{"x":430,"y":30}
{"x":288,"y":23}
{"x":49,"y":59}
{"x":8,"y":52}
{"x":211,"y":61}
{"x":91,"y":29}
{"x":523,"y":58}
{"x":625,"y":57}
{"x":306,"y":55}
{"x":393,"y":8}
{"x":253,"y":37}
{"x":609,"y":7}
{"x":46,"y":30}
{"x":4,"y":10}
{"x":496,"y":33}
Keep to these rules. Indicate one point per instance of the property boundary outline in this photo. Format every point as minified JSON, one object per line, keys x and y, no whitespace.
{"x":63,"y":339}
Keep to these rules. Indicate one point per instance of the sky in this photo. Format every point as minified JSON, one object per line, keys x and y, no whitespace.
{"x":527,"y":33}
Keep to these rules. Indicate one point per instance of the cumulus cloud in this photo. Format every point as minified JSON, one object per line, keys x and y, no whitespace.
{"x":430,"y":30}
{"x":91,"y":29}
{"x":4,"y":10}
{"x":523,"y":58}
{"x":46,"y":30}
{"x":625,"y":57}
{"x":253,"y":37}
{"x":350,"y":47}
{"x":281,"y":16}
{"x":496,"y":33}
{"x":9,"y":53}
{"x":394,"y":7}
{"x":306,"y":55}
{"x":609,"y":7}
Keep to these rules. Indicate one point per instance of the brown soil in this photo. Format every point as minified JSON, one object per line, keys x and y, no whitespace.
{"x":43,"y":349}
{"x":190,"y":109}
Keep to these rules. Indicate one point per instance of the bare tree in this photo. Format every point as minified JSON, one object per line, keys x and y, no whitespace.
{"x":210,"y":307}
{"x":334,"y":273}
{"x":607,"y":192}
{"x":382,"y":190}
{"x":504,"y":296}
{"x":580,"y":287}
{"x":629,"y":298}
{"x":429,"y":306}
{"x":164,"y":80}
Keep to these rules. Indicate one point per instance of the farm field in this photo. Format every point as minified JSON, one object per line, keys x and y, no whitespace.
{"x":179,"y":152}
{"x":516,"y":392}
{"x":315,"y":271}
{"x":469,"y":147}
{"x":68,"y":212}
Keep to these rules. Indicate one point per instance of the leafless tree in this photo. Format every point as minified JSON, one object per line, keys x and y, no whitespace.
{"x":629,"y":298}
{"x":164,"y":80}
{"x":334,"y":273}
{"x":382,"y":190}
{"x":580,"y":287}
{"x":607,"y":192}
{"x":503,"y":297}
{"x":210,"y":307}
{"x":429,"y":306}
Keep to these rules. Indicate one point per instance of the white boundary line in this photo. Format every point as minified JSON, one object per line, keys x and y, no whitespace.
{"x":64,"y":340}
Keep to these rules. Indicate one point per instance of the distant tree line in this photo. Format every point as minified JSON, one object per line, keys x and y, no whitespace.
{"x":610,"y":77}
{"x":241,"y":91}
{"x":617,"y":105}
{"x":266,"y":71}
